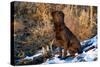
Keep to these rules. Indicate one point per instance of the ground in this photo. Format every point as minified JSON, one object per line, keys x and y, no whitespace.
{"x":89,"y":54}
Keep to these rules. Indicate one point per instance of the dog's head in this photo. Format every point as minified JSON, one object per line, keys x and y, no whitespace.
{"x":58,"y":16}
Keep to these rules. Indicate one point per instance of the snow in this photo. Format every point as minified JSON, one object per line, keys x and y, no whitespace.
{"x":36,"y":55}
{"x":89,"y":43}
{"x":87,"y":55}
{"x":27,"y":57}
{"x":54,"y":60}
{"x":91,"y":55}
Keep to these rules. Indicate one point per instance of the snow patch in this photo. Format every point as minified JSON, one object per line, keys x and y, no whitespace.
{"x":89,"y":55}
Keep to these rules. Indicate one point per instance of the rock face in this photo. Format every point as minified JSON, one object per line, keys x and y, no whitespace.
{"x":33,"y":25}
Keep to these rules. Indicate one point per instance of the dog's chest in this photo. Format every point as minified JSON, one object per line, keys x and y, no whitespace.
{"x":59,"y":35}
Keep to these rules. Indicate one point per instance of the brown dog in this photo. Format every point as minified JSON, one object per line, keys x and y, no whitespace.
{"x":64,"y":37}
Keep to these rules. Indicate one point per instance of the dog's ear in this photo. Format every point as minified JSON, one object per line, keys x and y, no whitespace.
{"x":57,"y":12}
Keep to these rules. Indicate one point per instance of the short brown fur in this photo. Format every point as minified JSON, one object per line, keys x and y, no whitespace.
{"x":64,"y":37}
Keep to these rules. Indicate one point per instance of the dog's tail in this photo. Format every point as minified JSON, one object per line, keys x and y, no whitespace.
{"x":80,"y":51}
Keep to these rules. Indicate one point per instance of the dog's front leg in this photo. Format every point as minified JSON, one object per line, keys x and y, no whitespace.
{"x":65,"y":50}
{"x":60,"y":52}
